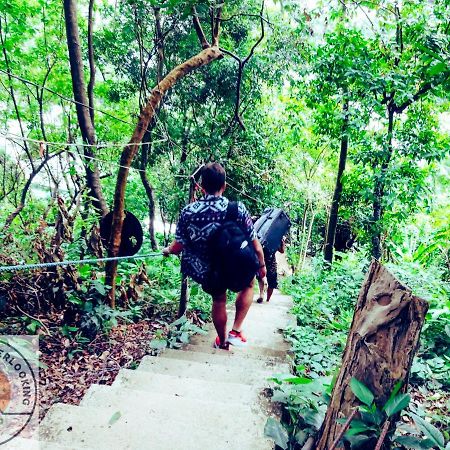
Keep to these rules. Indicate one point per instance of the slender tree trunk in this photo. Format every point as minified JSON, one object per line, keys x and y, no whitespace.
{"x":91,"y":83}
{"x":308,"y":236}
{"x":303,"y":236}
{"x":379,"y":187}
{"x":83,"y":114}
{"x":184,"y":295}
{"x":203,"y":58}
{"x":334,"y":211}
{"x":159,"y":43}
{"x":12,"y":93}
{"x":381,"y":345}
{"x":150,"y":194}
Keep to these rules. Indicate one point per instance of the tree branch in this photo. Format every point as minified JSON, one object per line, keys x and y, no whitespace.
{"x":216,"y":27}
{"x":422,"y":91}
{"x":199,"y":30}
{"x":25,"y":189}
{"x":241,"y":65}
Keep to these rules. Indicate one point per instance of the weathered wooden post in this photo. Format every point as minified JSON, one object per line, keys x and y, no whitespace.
{"x":380,"y":348}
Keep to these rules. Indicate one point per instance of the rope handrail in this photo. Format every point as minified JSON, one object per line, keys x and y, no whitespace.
{"x":18,"y":267}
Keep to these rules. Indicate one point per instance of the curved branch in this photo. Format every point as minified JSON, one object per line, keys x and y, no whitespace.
{"x":421,"y":92}
{"x":241,"y":65}
{"x":199,"y":30}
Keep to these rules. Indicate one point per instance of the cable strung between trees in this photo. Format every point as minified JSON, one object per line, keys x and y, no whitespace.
{"x":70,"y":100}
{"x":11,"y":137}
{"x":18,"y":267}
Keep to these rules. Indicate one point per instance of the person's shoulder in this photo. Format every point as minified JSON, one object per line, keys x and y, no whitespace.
{"x":189,"y":209}
{"x":242,"y":208}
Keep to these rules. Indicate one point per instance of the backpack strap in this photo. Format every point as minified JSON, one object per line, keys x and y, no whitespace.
{"x":232,"y":212}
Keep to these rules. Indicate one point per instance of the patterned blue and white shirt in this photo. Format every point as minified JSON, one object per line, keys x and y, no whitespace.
{"x":197,"y":221}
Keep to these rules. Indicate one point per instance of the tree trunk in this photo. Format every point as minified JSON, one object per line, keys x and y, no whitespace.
{"x":83,"y":114}
{"x":334,"y":211}
{"x":201,"y":59}
{"x":303,"y":236}
{"x":150,"y":193}
{"x":380,"y":348}
{"x":184,"y":294}
{"x":308,"y":236}
{"x":379,"y":186}
{"x":91,"y":83}
{"x":159,"y":43}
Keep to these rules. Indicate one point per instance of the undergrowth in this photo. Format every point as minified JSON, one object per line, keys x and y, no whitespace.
{"x":324,"y":301}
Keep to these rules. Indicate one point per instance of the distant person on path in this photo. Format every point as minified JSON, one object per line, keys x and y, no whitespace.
{"x":198,"y":229}
{"x":272,"y":275}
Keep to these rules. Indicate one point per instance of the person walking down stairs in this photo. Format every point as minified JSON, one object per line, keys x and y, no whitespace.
{"x":220,"y":250}
{"x":272,"y":273}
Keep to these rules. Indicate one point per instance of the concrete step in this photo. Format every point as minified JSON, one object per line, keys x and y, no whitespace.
{"x":205,"y":371}
{"x":186,"y":387}
{"x":197,"y":344}
{"x":125,"y":399}
{"x":278,"y":348}
{"x":263,"y":315}
{"x":18,"y":443}
{"x":256,"y":337}
{"x":229,"y":360}
{"x":143,"y":428}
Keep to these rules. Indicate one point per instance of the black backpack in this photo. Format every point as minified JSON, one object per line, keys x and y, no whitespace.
{"x":233,"y":258}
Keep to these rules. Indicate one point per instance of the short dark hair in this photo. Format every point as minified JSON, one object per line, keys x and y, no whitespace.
{"x":213,"y":177}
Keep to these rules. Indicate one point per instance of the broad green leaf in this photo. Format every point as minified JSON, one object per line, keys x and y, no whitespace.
{"x":114,"y":418}
{"x":429,"y":430}
{"x":438,"y":68}
{"x":358,"y":430}
{"x":361,"y":391}
{"x":412,"y":442}
{"x":158,"y":344}
{"x":298,"y":380}
{"x":180,"y":321}
{"x":277,"y":432}
{"x":184,"y":338}
{"x":396,"y":404}
{"x":358,"y":441}
{"x":313,"y":418}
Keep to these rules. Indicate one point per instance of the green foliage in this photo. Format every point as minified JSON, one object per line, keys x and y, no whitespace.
{"x":324,"y":301}
{"x":323,"y":307}
{"x":372,"y":418}
{"x":178,"y":334}
{"x":305,"y":401}
{"x":276,"y":431}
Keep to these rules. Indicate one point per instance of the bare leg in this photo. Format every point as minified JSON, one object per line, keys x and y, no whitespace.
{"x":243,"y":302}
{"x":269,"y":293}
{"x":261,"y":290}
{"x":219,"y":316}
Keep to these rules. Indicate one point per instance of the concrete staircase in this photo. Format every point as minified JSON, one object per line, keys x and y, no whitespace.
{"x":194,"y":398}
